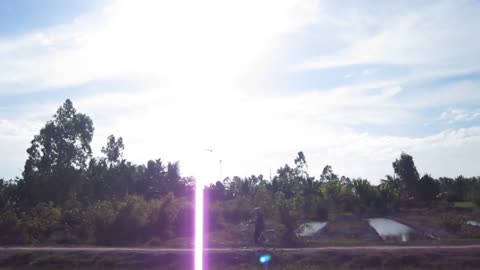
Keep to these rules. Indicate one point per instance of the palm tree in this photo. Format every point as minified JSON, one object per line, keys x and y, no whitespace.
{"x":394,"y":186}
{"x":362,"y":190}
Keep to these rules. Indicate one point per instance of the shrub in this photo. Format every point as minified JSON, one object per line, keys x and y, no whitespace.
{"x":9,"y":226}
{"x":101,"y":218}
{"x":213,"y":217}
{"x":453,"y":222}
{"x":163,"y":214}
{"x":41,"y":221}
{"x":476,"y":198}
{"x":290,"y":217}
{"x":237,"y":210}
{"x":130,"y":222}
{"x":184,"y":223}
{"x":322,"y":212}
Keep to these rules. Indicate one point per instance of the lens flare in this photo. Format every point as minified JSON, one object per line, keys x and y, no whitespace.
{"x":198,"y":260}
{"x":265,"y":258}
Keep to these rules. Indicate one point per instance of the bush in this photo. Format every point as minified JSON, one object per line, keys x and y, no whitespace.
{"x":72,"y":213}
{"x":9,"y":226}
{"x":237,"y":210}
{"x":476,"y":198}
{"x":131,"y":221}
{"x":184,"y":223}
{"x":163,"y":215}
{"x":101,"y":218}
{"x":445,"y":205}
{"x":41,"y":221}
{"x":290,"y":217}
{"x":322,"y":212}
{"x":213,"y":217}
{"x":64,"y":237}
{"x":453,"y":223}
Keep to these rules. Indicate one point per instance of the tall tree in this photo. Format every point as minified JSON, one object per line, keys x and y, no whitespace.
{"x":363,"y":191}
{"x":405,"y":169}
{"x":428,"y":189}
{"x":63,"y":143}
{"x":154,"y":179}
{"x":301,"y":165}
{"x":114,"y":149}
{"x":58,"y":154}
{"x":328,"y":174}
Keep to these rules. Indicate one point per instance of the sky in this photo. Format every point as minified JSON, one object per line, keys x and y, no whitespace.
{"x":352,"y":84}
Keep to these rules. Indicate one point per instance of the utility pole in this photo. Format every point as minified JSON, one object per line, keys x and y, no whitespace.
{"x":221,"y":180}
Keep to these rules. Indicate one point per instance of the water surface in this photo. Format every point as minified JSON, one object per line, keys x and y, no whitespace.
{"x":310,"y":228}
{"x":473,"y":223}
{"x":390,"y":229}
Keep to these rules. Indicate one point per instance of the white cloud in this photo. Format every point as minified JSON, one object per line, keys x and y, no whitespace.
{"x":17,"y":127}
{"x":185,"y":54}
{"x":15,"y":136}
{"x":437,"y":35}
{"x":198,"y":64}
{"x":208,"y":42}
{"x":459,"y":115}
{"x":253,"y":134}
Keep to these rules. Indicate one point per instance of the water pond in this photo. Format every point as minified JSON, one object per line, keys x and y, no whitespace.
{"x":310,"y":228}
{"x":473,"y":223}
{"x":391,"y":230}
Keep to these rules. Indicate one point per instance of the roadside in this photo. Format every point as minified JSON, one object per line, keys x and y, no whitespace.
{"x":379,"y":257}
{"x":432,"y":223}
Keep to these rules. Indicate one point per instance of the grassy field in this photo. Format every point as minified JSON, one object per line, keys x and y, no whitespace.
{"x":348,"y":230}
{"x":464,"y":205}
{"x":343,"y":230}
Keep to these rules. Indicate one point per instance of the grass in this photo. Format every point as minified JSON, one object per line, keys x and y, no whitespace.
{"x":234,"y":260}
{"x":464,"y":205}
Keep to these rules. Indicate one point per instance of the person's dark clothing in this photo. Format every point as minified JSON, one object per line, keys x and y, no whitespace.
{"x":259,"y":227}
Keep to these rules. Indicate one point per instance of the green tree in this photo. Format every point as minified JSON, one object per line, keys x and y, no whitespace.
{"x":58,"y":156}
{"x":114,"y":149}
{"x":364,"y":193}
{"x":7,"y":193}
{"x":406,"y":171}
{"x":153,"y":183}
{"x":428,"y":189}
{"x":328,"y":174}
{"x":63,"y":143}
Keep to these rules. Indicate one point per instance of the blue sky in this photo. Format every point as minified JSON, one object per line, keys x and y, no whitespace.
{"x":23,"y":16}
{"x":350,"y":83}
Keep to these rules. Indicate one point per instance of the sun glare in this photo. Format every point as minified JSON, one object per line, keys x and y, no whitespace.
{"x":208,"y":157}
{"x":198,"y":255}
{"x":201,"y":51}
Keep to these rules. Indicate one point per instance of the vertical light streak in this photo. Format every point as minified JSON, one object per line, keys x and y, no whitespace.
{"x":198,"y":257}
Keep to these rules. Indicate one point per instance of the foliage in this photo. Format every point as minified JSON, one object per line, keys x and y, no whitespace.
{"x":427,"y":189}
{"x":114,"y":149}
{"x":405,"y":169}
{"x":453,"y":222}
{"x":67,"y":196}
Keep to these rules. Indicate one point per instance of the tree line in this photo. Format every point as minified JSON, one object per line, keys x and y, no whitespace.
{"x":65,"y":195}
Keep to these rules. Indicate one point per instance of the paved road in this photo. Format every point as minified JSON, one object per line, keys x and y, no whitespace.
{"x":183,"y":250}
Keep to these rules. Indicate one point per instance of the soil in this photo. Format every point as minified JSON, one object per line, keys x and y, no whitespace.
{"x":425,"y":222}
{"x":347,"y":227}
{"x":465,"y":258}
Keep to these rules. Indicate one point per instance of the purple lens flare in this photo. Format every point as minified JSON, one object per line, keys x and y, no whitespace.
{"x":198,"y":259}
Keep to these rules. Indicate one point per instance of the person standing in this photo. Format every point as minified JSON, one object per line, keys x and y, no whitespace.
{"x":259,"y":224}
